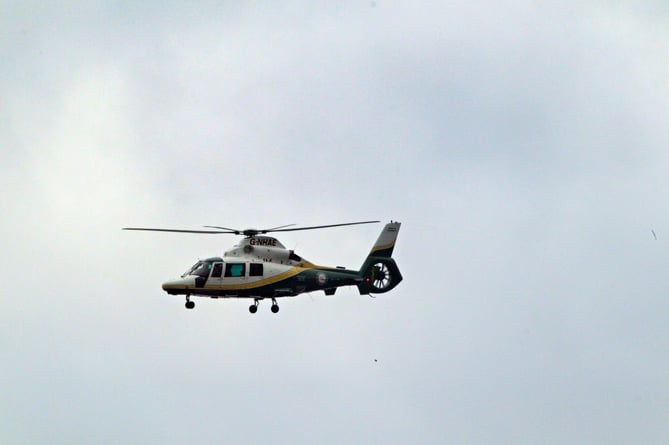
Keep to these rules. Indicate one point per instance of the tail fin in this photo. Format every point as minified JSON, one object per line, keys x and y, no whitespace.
{"x":379,"y":273}
{"x":386,"y":242}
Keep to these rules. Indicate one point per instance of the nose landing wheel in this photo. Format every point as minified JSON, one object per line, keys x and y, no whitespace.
{"x":189,"y":304}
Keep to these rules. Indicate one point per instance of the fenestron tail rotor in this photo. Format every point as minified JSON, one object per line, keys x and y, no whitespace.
{"x":247,"y":232}
{"x":381,"y":276}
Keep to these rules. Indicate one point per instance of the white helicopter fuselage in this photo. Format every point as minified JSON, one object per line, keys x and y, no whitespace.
{"x":261,"y":267}
{"x":257,"y":267}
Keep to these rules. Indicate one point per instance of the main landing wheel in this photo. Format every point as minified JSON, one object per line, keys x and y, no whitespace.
{"x":253,"y":308}
{"x":275,"y":307}
{"x":190,"y":304}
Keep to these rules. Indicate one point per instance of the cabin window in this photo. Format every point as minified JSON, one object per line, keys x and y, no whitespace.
{"x":235,"y":269}
{"x":217,"y":270}
{"x":255,"y":270}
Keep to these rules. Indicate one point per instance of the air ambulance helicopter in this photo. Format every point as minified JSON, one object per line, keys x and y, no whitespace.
{"x":260,"y":267}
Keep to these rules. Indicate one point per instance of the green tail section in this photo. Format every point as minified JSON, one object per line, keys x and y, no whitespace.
{"x":379,"y":273}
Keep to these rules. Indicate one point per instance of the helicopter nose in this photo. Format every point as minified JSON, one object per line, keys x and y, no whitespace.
{"x":177,"y":286}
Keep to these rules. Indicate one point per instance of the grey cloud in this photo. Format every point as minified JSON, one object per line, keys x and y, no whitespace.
{"x":523,"y":147}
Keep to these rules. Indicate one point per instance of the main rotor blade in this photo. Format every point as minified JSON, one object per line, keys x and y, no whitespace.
{"x":224,"y":228}
{"x":321,"y":227}
{"x":177,"y":230}
{"x":247,"y":232}
{"x":279,"y":227}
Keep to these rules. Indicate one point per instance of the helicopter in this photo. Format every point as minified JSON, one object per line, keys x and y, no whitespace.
{"x":260,"y":267}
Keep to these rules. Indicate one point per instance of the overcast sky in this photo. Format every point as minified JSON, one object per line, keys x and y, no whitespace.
{"x":524,"y":147}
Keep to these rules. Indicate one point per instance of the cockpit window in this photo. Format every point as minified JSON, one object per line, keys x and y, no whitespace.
{"x":201,"y":268}
{"x":190,"y":269}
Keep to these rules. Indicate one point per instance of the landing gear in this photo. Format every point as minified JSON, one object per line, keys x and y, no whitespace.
{"x":254,"y":307}
{"x":189,"y":304}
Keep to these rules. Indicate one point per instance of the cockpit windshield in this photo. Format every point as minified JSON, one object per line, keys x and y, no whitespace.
{"x":201,"y":268}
